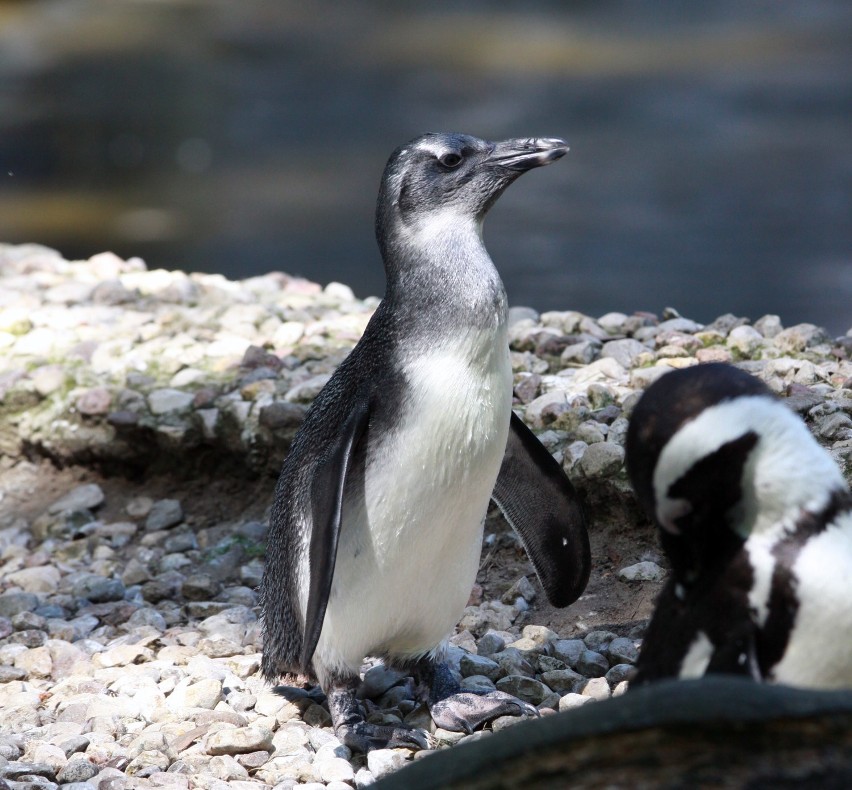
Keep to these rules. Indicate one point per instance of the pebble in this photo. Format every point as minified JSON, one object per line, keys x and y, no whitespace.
{"x":383,"y":761}
{"x":129,"y":646}
{"x":85,"y":497}
{"x":163,"y":514}
{"x":602,"y":459}
{"x":644,"y":571}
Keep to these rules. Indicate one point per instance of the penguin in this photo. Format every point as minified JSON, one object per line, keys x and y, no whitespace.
{"x":756,"y":520}
{"x":376,"y":527}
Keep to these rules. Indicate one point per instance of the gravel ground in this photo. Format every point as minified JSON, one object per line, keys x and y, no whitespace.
{"x":129,"y":641}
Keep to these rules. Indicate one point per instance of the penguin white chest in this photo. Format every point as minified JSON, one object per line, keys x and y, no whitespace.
{"x":409,"y":547}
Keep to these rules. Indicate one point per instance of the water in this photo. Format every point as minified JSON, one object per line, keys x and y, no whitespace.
{"x":710,"y":165}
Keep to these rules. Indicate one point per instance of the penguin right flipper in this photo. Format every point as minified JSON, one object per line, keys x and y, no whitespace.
{"x":540,"y":503}
{"x":327,"y":487}
{"x":738,"y":655}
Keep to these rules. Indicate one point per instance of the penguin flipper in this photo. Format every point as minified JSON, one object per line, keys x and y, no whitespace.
{"x":738,"y":655}
{"x":327,"y":487}
{"x":540,"y":503}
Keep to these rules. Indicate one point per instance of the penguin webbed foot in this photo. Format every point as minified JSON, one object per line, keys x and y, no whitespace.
{"x":363,"y":737}
{"x":352,"y":730}
{"x":465,"y":711}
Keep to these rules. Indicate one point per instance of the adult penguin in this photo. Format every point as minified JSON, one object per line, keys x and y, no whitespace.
{"x":756,"y":520}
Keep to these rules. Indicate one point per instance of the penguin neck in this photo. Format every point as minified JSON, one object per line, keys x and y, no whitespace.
{"x":789,"y":476}
{"x":439,"y":273}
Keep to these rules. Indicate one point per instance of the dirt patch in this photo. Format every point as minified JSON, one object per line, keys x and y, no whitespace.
{"x":608,"y":603}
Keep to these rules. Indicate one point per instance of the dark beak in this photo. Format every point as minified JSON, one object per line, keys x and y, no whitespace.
{"x":525,"y":154}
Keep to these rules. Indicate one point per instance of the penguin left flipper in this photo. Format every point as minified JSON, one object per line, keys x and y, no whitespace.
{"x":541,"y":505}
{"x":327,"y":488}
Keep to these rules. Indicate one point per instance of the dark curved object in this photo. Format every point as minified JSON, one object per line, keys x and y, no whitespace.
{"x":542,"y":506}
{"x":327,"y":489}
{"x":711,"y":732}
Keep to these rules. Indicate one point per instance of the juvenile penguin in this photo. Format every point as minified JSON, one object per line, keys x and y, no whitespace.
{"x":376,"y":528}
{"x":756,"y":520}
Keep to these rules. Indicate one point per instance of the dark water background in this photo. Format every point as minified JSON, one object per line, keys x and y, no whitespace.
{"x":711,"y":143}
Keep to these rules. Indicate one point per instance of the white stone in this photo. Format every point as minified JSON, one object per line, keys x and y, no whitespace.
{"x":645,"y":571}
{"x":596,"y":688}
{"x":571,"y":701}
{"x":203,"y":694}
{"x":334,"y":769}
{"x":381,"y":762}
{"x":41,"y":579}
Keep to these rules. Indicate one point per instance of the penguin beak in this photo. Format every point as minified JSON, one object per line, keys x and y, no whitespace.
{"x":525,"y":154}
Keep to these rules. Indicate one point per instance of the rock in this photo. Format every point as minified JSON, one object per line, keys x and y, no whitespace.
{"x":623,"y":651}
{"x":768,"y":326}
{"x":679,"y":325}
{"x":620,"y":673}
{"x":241,"y":740}
{"x":599,"y":641}
{"x":596,"y":688}
{"x":202,"y":694}
{"x":42,"y":579}
{"x":163,"y":401}
{"x":573,"y":700}
{"x":200,"y":587}
{"x":163,"y":514}
{"x":146,"y":763}
{"x":642,"y":572}
{"x":625,"y":351}
{"x":472,"y":664}
{"x":381,"y":762}
{"x":524,"y":688}
{"x":94,"y":402}
{"x":799,"y":337}
{"x":489,"y":643}
{"x":603,"y":459}
{"x":479,"y":684}
{"x":85,"y":497}
{"x":642,"y":378}
{"x":377,"y":680}
{"x":164,"y":587}
{"x":745,"y":339}
{"x":592,"y":664}
{"x":513,"y":662}
{"x":97,"y":589}
{"x":713,"y":354}
{"x":563,"y":681}
{"x":522,"y":588}
{"x":78,"y":769}
{"x":581,"y":353}
{"x":334,"y":769}
{"x":568,"y":650}
{"x":518,"y":313}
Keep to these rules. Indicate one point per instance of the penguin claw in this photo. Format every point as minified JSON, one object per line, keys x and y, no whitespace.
{"x":364,"y":737}
{"x":466,"y":711}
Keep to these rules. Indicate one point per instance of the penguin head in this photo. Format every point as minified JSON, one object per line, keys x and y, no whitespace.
{"x":438,"y":183}
{"x":715,"y":457}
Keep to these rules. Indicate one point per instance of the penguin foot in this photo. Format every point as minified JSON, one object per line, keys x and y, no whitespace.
{"x":347,"y":717}
{"x":466,"y":711}
{"x":363,"y":737}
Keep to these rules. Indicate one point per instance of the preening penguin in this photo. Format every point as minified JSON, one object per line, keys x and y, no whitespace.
{"x":756,"y":520}
{"x":376,"y":528}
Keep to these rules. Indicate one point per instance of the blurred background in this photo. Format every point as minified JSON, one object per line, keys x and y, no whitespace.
{"x":711,"y":143}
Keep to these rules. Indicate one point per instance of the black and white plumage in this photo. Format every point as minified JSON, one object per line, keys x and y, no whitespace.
{"x":376,"y":528}
{"x":756,"y":519}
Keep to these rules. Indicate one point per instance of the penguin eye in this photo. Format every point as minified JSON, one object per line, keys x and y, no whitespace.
{"x":450,"y":160}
